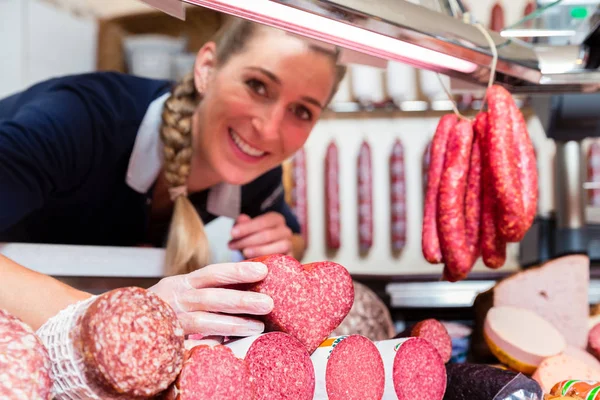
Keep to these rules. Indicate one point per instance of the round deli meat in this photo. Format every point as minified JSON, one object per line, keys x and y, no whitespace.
{"x":561,"y":368}
{"x":348,"y":368}
{"x":413,"y":369}
{"x":212,"y":372}
{"x":435,"y":333}
{"x":279,"y":365}
{"x":25,"y":372}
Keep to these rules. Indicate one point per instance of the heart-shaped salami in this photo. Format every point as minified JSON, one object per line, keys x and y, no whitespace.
{"x":310,"y":300}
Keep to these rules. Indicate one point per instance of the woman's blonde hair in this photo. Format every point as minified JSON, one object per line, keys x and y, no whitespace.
{"x":188,"y":247}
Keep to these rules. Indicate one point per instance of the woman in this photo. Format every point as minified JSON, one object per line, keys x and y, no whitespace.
{"x":110,"y":159}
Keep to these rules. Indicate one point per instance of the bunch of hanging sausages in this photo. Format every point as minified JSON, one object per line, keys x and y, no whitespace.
{"x":481,"y":187}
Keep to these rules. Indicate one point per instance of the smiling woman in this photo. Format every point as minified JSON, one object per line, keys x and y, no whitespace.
{"x":112,"y":159}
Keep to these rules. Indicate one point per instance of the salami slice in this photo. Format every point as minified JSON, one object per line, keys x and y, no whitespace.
{"x":125,"y":344}
{"x":435,"y":333}
{"x":332,"y":198}
{"x":279,"y":366}
{"x":348,"y":368}
{"x":365,"y":198}
{"x":398,"y":197}
{"x":299,"y":192}
{"x":212,"y":372}
{"x":24,"y":362}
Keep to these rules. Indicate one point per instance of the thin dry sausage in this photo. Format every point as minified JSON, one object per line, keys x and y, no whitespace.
{"x":398,"y":197}
{"x":365,"y":198}
{"x":332,"y":198}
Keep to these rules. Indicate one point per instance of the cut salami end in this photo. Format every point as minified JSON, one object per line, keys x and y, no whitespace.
{"x":24,"y":362}
{"x":435,"y":333}
{"x":594,"y":340}
{"x":132,"y":342}
{"x":280,"y":367}
{"x":349,"y":368}
{"x":521,"y":338}
{"x":213,"y":372}
{"x":310,"y":300}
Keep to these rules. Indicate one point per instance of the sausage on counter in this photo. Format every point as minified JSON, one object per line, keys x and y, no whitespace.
{"x":212,"y":372}
{"x":332,"y":197}
{"x":279,"y":365}
{"x":123,"y":344}
{"x":348,"y":368}
{"x":413,"y":369}
{"x":299,"y":192}
{"x":365,"y":198}
{"x":24,"y":361}
{"x":398,"y":197}
{"x":430,"y":239}
{"x":451,"y":203}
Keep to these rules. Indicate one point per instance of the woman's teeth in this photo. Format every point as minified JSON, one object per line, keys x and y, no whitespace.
{"x":245,"y":147}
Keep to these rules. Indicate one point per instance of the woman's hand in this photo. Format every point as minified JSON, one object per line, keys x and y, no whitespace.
{"x":201,"y":301}
{"x":260,"y":236}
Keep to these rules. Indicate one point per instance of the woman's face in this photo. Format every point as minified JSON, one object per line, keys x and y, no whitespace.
{"x":260,"y":106}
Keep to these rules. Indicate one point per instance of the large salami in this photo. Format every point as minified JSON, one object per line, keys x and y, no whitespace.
{"x":593,"y":173}
{"x":125,"y":344}
{"x":212,"y":372}
{"x":365,"y":198}
{"x":348,"y":368}
{"x":24,"y":362}
{"x":332,"y":198}
{"x":279,"y":366}
{"x":299,"y":192}
{"x":398,"y":197}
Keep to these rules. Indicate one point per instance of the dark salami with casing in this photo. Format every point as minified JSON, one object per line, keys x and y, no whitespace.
{"x":365,"y":198}
{"x":483,"y":382}
{"x":299,"y":192}
{"x":397,"y":197}
{"x":332,"y":198}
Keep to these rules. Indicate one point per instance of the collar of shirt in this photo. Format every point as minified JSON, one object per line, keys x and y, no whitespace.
{"x":146,"y":162}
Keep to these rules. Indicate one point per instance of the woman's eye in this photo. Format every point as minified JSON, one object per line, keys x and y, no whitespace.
{"x":257,"y":86}
{"x":302,"y":112}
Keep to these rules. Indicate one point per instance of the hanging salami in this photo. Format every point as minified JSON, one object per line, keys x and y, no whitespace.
{"x":529,"y":8}
{"x":398,"y":197}
{"x":365,"y":198}
{"x":332,"y":197}
{"x":497,"y":17}
{"x":593,"y":170}
{"x":425,"y":166}
{"x":299,"y":192}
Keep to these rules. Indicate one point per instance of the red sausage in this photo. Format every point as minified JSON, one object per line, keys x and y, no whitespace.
{"x":473,"y":201}
{"x":451,"y":202}
{"x":497,"y":18}
{"x":365,"y":198}
{"x":299,"y":193}
{"x":493,"y":247}
{"x":425,"y":166}
{"x":505,"y":175}
{"x":526,"y":164}
{"x":332,"y":197}
{"x":430,"y":242}
{"x":398,"y":197}
{"x":593,"y":174}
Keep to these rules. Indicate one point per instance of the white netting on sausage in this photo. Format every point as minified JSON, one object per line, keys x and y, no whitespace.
{"x":67,"y":364}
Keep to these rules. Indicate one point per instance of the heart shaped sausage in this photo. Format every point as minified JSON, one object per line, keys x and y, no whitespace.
{"x":310,"y":300}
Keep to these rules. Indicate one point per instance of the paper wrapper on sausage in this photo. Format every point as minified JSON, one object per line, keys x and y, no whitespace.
{"x":279,"y":365}
{"x":413,"y":369}
{"x":348,"y":368}
{"x":124,"y":344}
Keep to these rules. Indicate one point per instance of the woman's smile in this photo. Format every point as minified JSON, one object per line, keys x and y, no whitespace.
{"x":243,"y":149}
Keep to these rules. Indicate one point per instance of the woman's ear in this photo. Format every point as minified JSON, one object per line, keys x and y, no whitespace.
{"x":204,"y":65}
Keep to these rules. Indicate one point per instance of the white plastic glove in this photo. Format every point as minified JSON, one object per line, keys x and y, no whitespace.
{"x":201,"y":302}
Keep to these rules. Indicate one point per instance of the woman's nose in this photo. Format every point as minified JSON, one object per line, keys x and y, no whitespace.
{"x":269,"y":124}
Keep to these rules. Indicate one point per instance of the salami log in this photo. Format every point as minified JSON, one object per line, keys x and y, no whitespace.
{"x":413,"y":369}
{"x":125,"y":344}
{"x":430,"y":239}
{"x":497,"y":17}
{"x":299,"y":192}
{"x":593,"y":173}
{"x":473,"y":200}
{"x":483,"y":382}
{"x":451,"y":203}
{"x":348,"y":368}
{"x":332,"y":198}
{"x":504,"y":168}
{"x":310,"y":300}
{"x":365,"y":198}
{"x":24,"y":362}
{"x":425,"y":166}
{"x":493,"y":247}
{"x":398,"y":197}
{"x":279,"y":366}
{"x":435,"y":333}
{"x":212,"y":372}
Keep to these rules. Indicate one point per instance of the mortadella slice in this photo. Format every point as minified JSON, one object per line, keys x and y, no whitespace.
{"x":563,"y":367}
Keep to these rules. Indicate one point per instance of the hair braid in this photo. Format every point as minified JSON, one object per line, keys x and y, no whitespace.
{"x":187,"y":246}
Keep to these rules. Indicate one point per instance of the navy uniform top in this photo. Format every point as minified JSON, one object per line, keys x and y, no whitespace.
{"x":79,"y":156}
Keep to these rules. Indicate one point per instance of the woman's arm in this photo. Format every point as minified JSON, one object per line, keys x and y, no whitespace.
{"x":31,"y":296}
